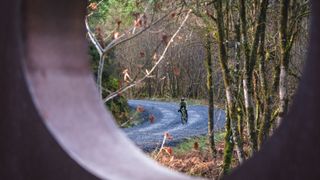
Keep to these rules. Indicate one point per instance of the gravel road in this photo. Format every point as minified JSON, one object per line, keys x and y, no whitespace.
{"x":149,"y":136}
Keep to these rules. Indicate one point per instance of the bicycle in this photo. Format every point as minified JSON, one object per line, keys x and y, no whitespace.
{"x":184,"y":118}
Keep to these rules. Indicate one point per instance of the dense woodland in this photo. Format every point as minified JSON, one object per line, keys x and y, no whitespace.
{"x":244,"y":56}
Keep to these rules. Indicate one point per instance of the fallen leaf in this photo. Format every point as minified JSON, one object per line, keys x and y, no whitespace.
{"x":168,"y":150}
{"x":140,"y":109}
{"x":151,"y":118}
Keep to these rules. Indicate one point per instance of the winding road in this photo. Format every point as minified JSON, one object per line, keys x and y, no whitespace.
{"x":148,"y":136}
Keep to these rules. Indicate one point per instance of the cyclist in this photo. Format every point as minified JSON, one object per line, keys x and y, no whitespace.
{"x":183,"y":104}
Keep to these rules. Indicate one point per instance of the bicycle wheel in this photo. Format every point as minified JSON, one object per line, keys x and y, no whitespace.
{"x":183,"y":116}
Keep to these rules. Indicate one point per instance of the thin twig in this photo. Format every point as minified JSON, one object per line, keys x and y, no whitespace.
{"x":161,"y":147}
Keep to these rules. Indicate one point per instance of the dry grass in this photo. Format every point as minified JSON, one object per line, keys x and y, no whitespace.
{"x":195,"y":162}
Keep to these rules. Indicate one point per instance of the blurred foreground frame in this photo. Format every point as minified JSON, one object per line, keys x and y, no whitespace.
{"x":54,"y":126}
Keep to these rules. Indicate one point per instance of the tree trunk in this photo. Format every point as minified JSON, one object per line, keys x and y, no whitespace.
{"x":223,"y":59}
{"x":284,"y":61}
{"x":247,"y":80}
{"x":229,"y":145}
{"x":249,"y":65}
{"x":209,"y":68}
{"x":266,"y":96}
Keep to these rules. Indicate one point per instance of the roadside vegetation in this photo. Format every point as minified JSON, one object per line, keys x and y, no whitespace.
{"x":199,"y":143}
{"x":193,"y":157}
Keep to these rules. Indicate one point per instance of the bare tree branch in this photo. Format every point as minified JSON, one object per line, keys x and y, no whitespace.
{"x":115,"y":43}
{"x":93,"y":39}
{"x":149,"y":72}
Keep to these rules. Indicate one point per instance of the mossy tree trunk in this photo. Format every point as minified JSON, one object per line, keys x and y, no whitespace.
{"x":228,"y":147}
{"x":249,"y":65}
{"x":266,"y":95}
{"x":209,"y":68}
{"x":223,"y":59}
{"x":247,"y":80}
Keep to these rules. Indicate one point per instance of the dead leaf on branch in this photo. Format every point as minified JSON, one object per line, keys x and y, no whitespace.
{"x":116,"y":35}
{"x":137,"y":23}
{"x":93,"y":6}
{"x":165,"y":39}
{"x":155,"y":56}
{"x":126,"y":76}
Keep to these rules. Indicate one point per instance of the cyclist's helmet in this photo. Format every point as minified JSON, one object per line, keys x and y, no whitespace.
{"x":182,"y":99}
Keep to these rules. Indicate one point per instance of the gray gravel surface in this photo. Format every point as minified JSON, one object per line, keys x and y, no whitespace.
{"x":149,"y":136}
